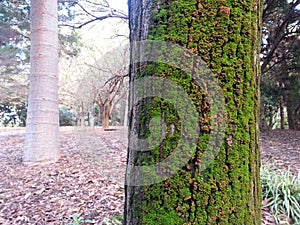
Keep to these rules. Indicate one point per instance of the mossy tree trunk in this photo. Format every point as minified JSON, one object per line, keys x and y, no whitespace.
{"x":226,"y":35}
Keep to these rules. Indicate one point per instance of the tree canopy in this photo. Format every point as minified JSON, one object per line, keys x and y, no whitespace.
{"x":280,"y":62}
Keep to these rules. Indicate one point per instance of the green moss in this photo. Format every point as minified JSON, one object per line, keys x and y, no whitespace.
{"x":223,"y":193}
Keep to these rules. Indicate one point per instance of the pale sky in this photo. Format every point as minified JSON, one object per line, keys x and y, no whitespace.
{"x":119,"y":4}
{"x":101,"y":33}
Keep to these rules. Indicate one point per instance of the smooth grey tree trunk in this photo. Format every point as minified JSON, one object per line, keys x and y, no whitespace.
{"x":42,"y":130}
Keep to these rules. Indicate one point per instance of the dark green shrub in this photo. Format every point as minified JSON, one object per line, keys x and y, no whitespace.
{"x":67,"y":116}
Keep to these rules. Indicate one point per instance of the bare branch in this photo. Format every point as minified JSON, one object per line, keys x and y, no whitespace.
{"x":85,"y":23}
{"x":93,"y":20}
{"x":96,"y":7}
{"x":85,"y":10}
{"x":103,"y":8}
{"x":94,"y":3}
{"x":281,"y":32}
{"x":119,"y":35}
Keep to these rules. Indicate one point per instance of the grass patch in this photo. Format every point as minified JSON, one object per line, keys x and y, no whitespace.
{"x":281,"y":194}
{"x":115,"y":220}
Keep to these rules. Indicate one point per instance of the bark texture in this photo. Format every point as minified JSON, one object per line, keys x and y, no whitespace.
{"x":226,"y":35}
{"x":41,"y":143}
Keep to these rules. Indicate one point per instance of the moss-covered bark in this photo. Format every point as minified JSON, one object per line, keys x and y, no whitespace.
{"x":225,"y":34}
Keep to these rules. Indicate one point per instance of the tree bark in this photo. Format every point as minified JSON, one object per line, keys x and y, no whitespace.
{"x":42,"y":127}
{"x":297,"y":117}
{"x":81,"y":118}
{"x":105,"y":120}
{"x":227,"y":37}
{"x":293,"y":114}
{"x":263,"y":126}
{"x":105,"y":110}
{"x":104,"y":117}
{"x":281,"y":108}
{"x":290,"y":117}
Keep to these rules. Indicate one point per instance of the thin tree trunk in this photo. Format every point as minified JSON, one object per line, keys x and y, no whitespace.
{"x":281,"y":113}
{"x":271,"y":121}
{"x":42,"y":127}
{"x":92,"y":120}
{"x":81,"y":115}
{"x":125,"y":123}
{"x":82,"y":121}
{"x":227,"y":38}
{"x":104,"y":120}
{"x":290,"y":114}
{"x":297,"y":117}
{"x":108,"y":113}
{"x":263,"y":126}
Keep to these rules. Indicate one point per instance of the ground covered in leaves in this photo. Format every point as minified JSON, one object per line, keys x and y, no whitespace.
{"x":88,"y":180}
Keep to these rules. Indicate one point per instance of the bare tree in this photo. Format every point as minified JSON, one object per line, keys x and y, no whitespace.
{"x":107,"y":78}
{"x":109,"y":96}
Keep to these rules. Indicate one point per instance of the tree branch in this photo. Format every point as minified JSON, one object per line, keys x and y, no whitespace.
{"x":111,"y":12}
{"x":280,"y":34}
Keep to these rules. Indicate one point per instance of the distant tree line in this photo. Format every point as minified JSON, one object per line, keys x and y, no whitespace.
{"x":14,"y":64}
{"x":280,"y":57}
{"x":280,"y":64}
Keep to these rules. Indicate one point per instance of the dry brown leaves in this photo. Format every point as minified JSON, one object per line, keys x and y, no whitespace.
{"x":88,"y":180}
{"x":281,"y":149}
{"x":51,"y":194}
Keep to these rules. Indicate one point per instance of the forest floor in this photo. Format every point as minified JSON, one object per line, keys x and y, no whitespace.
{"x":88,"y":179}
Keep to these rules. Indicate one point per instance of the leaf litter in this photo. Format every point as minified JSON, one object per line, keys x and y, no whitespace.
{"x":88,"y":180}
{"x":51,"y":194}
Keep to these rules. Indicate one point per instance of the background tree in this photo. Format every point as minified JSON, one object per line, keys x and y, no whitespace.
{"x":95,"y":76}
{"x":226,"y":35}
{"x":103,"y":84}
{"x":41,"y":138}
{"x":15,"y":44}
{"x":280,"y":69}
{"x":14,"y":29}
{"x":109,"y":81}
{"x":14,"y":57}
{"x":108,"y":96}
